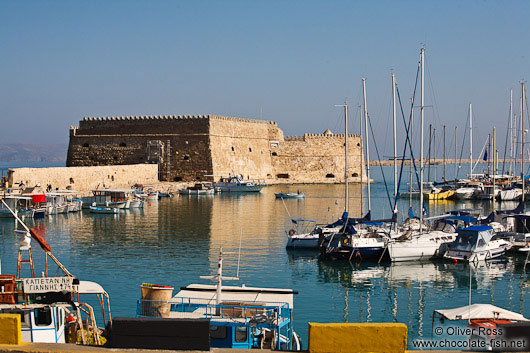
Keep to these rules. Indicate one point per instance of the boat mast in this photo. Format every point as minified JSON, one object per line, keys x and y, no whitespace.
{"x":494,"y":167}
{"x":411,"y":133}
{"x":456,"y":154}
{"x":422,"y":60}
{"x":367,"y":145}
{"x":361,"y":133}
{"x":395,"y":136}
{"x":522,"y":136}
{"x":444,"y":156}
{"x":345,"y":106}
{"x":429,"y":155}
{"x":470,"y":141}
{"x":434,"y":153}
{"x":510,"y":126}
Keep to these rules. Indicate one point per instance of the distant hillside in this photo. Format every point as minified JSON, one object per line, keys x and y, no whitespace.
{"x":27,"y":152}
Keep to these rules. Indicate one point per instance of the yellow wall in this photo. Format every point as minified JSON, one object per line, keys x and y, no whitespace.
{"x":10,"y":329}
{"x":357,"y":337}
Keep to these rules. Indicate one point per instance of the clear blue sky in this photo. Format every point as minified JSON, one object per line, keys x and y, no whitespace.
{"x":62,"y":60}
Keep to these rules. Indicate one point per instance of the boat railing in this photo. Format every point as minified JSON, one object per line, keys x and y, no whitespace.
{"x":271,"y":314}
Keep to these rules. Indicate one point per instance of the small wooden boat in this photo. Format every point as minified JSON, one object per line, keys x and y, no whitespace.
{"x":104,"y":210}
{"x":203,"y":188}
{"x":289,"y":195}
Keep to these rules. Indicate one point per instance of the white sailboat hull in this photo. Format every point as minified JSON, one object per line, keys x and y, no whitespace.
{"x":424,"y":247}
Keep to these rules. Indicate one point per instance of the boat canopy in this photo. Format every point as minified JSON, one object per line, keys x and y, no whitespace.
{"x":480,"y":311}
{"x":465,"y":219}
{"x":480,"y":228}
{"x":203,"y":293}
{"x":88,"y":287}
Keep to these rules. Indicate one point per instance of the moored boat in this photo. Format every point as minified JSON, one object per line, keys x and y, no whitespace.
{"x":237,"y":184}
{"x":475,"y":243}
{"x":239,"y":316}
{"x":104,"y":210}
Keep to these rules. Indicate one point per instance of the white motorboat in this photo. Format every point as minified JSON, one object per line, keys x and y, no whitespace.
{"x":510,"y":194}
{"x":310,"y":240}
{"x":469,"y":191}
{"x":475,"y":243}
{"x":203,"y":188}
{"x":237,"y":184}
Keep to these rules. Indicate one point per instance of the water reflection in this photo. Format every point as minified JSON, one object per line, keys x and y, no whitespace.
{"x":174,"y":241}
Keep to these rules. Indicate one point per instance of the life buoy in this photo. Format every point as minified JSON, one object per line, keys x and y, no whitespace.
{"x":292,"y":232}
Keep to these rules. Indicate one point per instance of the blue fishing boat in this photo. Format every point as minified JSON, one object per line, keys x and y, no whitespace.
{"x":240,"y":316}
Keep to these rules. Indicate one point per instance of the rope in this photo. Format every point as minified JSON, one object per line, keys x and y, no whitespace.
{"x":380,"y":165}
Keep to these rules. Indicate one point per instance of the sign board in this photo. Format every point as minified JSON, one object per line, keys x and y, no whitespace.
{"x":47,"y":284}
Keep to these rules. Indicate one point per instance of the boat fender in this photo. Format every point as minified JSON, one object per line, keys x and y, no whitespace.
{"x":292,"y":232}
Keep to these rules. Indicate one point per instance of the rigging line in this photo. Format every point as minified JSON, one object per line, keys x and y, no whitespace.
{"x":508,"y":128}
{"x":481,"y":154}
{"x":380,"y":165}
{"x":407,"y":141}
{"x":435,"y":110}
{"x":462,"y":148}
{"x":408,"y":132}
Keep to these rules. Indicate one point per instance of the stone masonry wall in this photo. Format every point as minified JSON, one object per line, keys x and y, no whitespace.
{"x":84,"y":178}
{"x":178,"y":144}
{"x":241,"y":147}
{"x":318,"y":158}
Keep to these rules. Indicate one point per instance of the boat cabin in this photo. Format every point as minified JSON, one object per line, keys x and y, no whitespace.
{"x":473,"y":239}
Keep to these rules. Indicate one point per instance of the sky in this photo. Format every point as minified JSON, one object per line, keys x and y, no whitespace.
{"x":286,"y":61}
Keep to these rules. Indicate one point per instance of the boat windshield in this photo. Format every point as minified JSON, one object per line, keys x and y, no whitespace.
{"x":444,"y":226}
{"x":466,"y":240}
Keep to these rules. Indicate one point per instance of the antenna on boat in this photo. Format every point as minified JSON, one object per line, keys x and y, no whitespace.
{"x":219,"y":278}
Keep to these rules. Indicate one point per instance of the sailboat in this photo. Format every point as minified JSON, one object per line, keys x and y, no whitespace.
{"x":420,"y":245}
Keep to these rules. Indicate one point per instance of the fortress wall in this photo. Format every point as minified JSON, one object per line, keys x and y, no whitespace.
{"x":183,"y":152}
{"x":317,"y":158}
{"x":84,"y":178}
{"x":241,"y":147}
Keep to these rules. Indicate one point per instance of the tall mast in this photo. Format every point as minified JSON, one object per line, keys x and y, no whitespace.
{"x":346,"y":203}
{"x":522,"y":136}
{"x":346,"y":196}
{"x":510,"y":126}
{"x":367,"y":144}
{"x":361,"y":133}
{"x":444,"y":155}
{"x":434,"y":152}
{"x":494,"y":166}
{"x":422,"y":60}
{"x":489,"y":154}
{"x":411,"y":134}
{"x":470,"y":141}
{"x":395,"y":135}
{"x":456,"y":154}
{"x":429,"y":155}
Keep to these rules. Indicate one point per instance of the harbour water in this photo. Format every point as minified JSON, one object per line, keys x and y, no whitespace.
{"x":174,"y":241}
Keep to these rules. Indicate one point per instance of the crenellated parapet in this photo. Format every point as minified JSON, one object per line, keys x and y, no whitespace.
{"x":305,"y":137}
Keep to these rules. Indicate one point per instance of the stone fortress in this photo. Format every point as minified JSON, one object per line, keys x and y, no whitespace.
{"x":207,"y":147}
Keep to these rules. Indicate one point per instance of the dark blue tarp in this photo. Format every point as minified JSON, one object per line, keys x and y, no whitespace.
{"x":480,"y":228}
